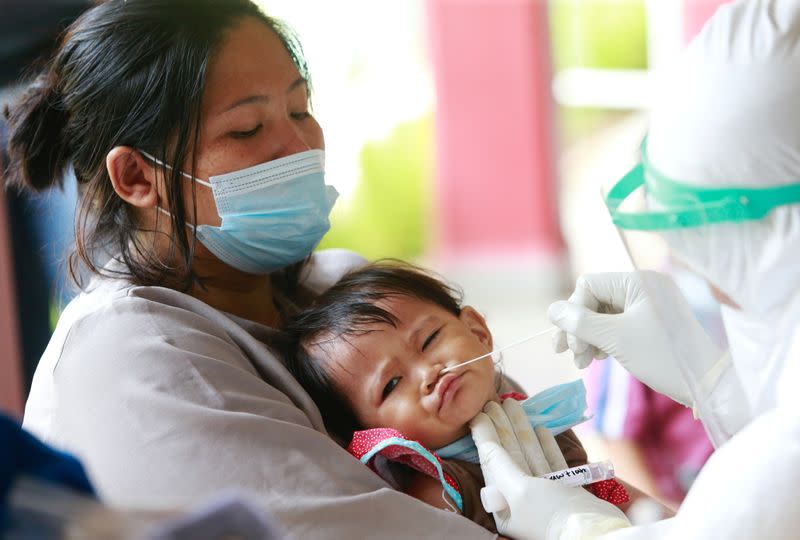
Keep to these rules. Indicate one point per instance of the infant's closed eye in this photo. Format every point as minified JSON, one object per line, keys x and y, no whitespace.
{"x":391,"y":385}
{"x":430,"y":339}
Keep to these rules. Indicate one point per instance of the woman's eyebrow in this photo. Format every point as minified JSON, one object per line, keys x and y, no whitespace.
{"x":300,"y":81}
{"x":258,"y":98}
{"x":264,"y":98}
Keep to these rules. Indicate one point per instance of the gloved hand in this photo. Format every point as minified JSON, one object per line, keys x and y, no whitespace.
{"x":512,"y":456}
{"x":642,"y":319}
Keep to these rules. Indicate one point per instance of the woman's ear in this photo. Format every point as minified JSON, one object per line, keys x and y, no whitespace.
{"x":133,"y":178}
{"x":476,"y":324}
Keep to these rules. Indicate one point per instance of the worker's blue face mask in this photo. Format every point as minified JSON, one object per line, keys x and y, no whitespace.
{"x":558,"y":408}
{"x":273,"y":214}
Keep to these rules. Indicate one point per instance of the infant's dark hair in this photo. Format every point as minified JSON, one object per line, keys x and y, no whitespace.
{"x":349,"y":308}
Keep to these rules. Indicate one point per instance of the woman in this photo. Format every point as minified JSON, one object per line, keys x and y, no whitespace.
{"x":162,"y":375}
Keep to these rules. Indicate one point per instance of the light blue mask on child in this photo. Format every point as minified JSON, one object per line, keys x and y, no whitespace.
{"x":557,"y":408}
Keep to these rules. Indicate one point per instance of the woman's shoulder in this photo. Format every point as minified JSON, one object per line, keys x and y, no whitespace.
{"x":326,"y":266}
{"x":113,"y":335}
{"x":143,"y":332}
{"x":108,"y":303}
{"x":159,"y":342}
{"x":137,"y":311}
{"x":156,"y":328}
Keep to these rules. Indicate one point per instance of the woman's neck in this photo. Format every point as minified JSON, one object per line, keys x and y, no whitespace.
{"x":223,"y":287}
{"x":245,"y":295}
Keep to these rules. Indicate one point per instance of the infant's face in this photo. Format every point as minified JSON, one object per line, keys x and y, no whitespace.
{"x":391,"y":376}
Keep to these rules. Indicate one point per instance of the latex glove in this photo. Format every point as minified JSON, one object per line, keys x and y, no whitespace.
{"x":643,"y":320}
{"x":512,"y":456}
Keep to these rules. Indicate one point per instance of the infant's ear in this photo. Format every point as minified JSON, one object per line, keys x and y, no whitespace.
{"x":476,"y":324}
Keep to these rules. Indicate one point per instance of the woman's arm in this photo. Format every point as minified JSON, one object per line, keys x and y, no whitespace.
{"x":167,"y":405}
{"x":429,"y":490}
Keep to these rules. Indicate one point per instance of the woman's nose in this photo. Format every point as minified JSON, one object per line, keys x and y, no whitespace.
{"x":289,"y":140}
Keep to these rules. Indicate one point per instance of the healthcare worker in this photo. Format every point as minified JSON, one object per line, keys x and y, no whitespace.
{"x":718,"y":184}
{"x":201,"y":172}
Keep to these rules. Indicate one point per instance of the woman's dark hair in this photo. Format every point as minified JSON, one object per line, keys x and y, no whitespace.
{"x":350,"y":308}
{"x":127,"y":73}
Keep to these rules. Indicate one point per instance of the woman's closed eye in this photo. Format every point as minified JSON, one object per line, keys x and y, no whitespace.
{"x":391,"y":385}
{"x":301,"y":115}
{"x":246,"y":134}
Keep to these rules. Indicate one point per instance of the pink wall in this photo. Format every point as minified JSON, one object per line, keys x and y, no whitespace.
{"x":496,"y":158}
{"x":695,"y":15}
{"x":10,"y":374}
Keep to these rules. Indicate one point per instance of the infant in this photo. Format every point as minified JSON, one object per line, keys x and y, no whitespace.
{"x":370,"y":351}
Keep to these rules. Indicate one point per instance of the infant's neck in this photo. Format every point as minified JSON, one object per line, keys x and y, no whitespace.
{"x":465,"y":428}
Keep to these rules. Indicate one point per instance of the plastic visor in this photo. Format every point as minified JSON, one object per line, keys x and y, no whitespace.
{"x":685,"y":206}
{"x":680,"y":230}
{"x":744,"y":242}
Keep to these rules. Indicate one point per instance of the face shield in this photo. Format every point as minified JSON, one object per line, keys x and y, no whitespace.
{"x":728,"y":236}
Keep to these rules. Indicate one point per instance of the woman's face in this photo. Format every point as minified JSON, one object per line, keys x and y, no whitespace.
{"x":255,"y":109}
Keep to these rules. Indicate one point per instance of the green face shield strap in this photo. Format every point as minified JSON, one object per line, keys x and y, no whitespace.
{"x":691,"y":206}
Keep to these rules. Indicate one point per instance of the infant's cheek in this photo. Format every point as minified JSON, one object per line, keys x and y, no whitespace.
{"x":473,"y":398}
{"x":486,"y":383}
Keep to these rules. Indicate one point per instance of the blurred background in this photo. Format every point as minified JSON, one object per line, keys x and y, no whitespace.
{"x":473,"y":137}
{"x":469,"y":136}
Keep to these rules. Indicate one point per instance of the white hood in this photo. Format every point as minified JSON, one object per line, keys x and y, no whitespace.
{"x":729,"y":116}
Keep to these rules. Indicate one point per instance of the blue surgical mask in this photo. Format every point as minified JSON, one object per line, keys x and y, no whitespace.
{"x":558,"y":408}
{"x":273,"y":214}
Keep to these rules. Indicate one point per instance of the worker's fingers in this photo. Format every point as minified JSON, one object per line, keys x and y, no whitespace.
{"x":552,"y":452}
{"x":603,"y":292}
{"x":505,"y":434}
{"x":529,"y":443}
{"x":582,"y":360}
{"x":560,"y":341}
{"x":588,"y":333}
{"x":499,"y":470}
{"x":486,"y":441}
{"x":483,"y":430}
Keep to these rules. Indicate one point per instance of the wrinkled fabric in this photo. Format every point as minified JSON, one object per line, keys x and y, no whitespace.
{"x":167,"y":401}
{"x":730,"y":116}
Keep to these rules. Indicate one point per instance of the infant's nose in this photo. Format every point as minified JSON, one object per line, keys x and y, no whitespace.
{"x":430,"y":376}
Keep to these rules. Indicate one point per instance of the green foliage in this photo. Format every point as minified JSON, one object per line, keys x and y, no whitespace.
{"x":389,"y":213}
{"x":610,"y":34}
{"x":598,"y":34}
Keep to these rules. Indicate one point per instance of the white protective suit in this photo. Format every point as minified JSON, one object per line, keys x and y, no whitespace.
{"x":728,"y":117}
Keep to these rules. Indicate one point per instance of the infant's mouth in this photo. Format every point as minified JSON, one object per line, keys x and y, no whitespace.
{"x":444,"y":385}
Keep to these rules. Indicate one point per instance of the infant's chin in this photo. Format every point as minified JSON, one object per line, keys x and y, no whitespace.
{"x":443,"y":440}
{"x":465,"y":413}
